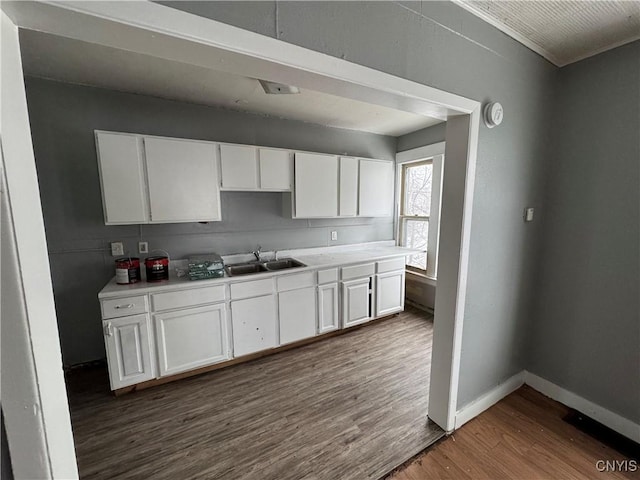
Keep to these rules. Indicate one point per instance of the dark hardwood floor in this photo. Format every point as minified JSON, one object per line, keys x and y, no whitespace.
{"x":523,"y":436}
{"x":348,"y":407}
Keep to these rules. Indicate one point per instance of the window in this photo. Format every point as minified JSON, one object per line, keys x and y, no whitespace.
{"x":419,"y":212}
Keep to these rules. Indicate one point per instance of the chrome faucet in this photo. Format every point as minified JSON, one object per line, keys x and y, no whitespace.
{"x":257,"y":252}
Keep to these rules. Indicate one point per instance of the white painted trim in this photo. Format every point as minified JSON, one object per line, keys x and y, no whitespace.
{"x":616,"y":422}
{"x":126,"y":25}
{"x":453,"y":260}
{"x":489,"y":399}
{"x":420,"y":153}
{"x":600,"y":50}
{"x":34,"y":398}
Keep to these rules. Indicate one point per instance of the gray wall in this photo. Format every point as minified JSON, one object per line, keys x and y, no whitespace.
{"x":585,"y":335}
{"x":441,"y":45}
{"x":420,"y":293}
{"x":419,"y":138}
{"x":63,"y":118}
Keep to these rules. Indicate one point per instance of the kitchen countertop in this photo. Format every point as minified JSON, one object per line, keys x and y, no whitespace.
{"x":312,"y":258}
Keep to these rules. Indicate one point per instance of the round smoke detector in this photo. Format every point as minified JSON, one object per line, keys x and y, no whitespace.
{"x":493,"y":114}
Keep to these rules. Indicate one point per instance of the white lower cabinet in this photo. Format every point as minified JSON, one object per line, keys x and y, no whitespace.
{"x":254,"y":324}
{"x":389,"y":292}
{"x":297,"y":314}
{"x":356,"y":301}
{"x":328,"y":318}
{"x":166,"y":332}
{"x":191,"y":338}
{"x":128,"y":346}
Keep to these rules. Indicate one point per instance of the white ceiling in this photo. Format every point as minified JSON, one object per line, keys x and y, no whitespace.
{"x":74,"y":61}
{"x":562,"y":31}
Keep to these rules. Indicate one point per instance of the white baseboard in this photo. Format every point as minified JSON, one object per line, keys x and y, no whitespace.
{"x":616,"y":422}
{"x":489,"y":399}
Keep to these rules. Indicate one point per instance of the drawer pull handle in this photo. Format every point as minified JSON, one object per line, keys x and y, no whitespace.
{"x":107,"y":330}
{"x":128,"y":305}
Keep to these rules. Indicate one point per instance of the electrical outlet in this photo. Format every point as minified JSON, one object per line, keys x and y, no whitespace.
{"x":528,"y":214}
{"x":143,"y":247}
{"x":334,"y":235}
{"x":117,"y":249}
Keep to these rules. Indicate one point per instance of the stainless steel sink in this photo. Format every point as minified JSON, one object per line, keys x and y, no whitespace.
{"x":249,"y":268}
{"x":283,"y":264}
{"x":245,"y":269}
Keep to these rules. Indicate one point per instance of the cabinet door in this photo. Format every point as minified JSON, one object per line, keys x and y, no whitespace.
{"x":183,"y":180}
{"x":328,"y":308}
{"x":348,"y":186}
{"x":376,"y":188}
{"x":128,"y":346}
{"x":239,"y":167}
{"x":389,"y":293}
{"x":297,"y":314}
{"x":191,"y":338}
{"x":316,"y":185}
{"x":254,"y":324}
{"x":356,"y":301}
{"x":124,"y":194}
{"x":276,"y":169}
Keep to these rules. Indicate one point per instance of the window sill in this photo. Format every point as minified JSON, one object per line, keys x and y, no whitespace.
{"x":422,"y":278}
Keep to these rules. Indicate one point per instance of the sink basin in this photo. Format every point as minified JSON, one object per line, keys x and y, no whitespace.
{"x":258,"y":267}
{"x":245,"y":269}
{"x":283,"y":264}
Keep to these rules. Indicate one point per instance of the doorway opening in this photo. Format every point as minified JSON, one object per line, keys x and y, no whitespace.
{"x":218,"y":43}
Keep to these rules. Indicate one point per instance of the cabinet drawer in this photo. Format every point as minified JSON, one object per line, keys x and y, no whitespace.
{"x":121,"y":307}
{"x":251,"y":289}
{"x":390,"y":265}
{"x":358,"y":271}
{"x":327,"y":276}
{"x":187,"y":298}
{"x":301,"y":280}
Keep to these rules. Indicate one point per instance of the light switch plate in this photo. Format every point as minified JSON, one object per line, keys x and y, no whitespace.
{"x":334,"y":235}
{"x":117,"y":249}
{"x":528,"y":214}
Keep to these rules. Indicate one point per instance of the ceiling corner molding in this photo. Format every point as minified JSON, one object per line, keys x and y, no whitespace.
{"x":600,"y":50}
{"x":511,"y":32}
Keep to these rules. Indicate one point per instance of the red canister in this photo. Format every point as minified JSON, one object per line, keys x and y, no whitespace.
{"x":127,"y":270}
{"x":157,"y":268}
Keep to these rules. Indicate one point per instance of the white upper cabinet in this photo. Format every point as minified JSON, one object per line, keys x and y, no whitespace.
{"x":149,"y":179}
{"x":348,"y":186}
{"x":276,"y":169}
{"x":376,"y":188}
{"x":120,"y":162}
{"x":316,"y":185}
{"x":183,"y":180}
{"x":249,"y":168}
{"x":239,"y":167}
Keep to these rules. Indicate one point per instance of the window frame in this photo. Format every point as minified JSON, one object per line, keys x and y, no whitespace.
{"x":402,"y":217}
{"x":434,"y":154}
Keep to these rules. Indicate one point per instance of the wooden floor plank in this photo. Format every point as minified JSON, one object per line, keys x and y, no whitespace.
{"x":349,"y":407}
{"x":523,"y":436}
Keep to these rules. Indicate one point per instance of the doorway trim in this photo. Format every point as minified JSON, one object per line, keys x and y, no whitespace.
{"x":164,"y":32}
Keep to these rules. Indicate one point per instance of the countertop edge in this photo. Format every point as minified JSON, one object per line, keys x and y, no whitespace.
{"x":114,"y":290}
